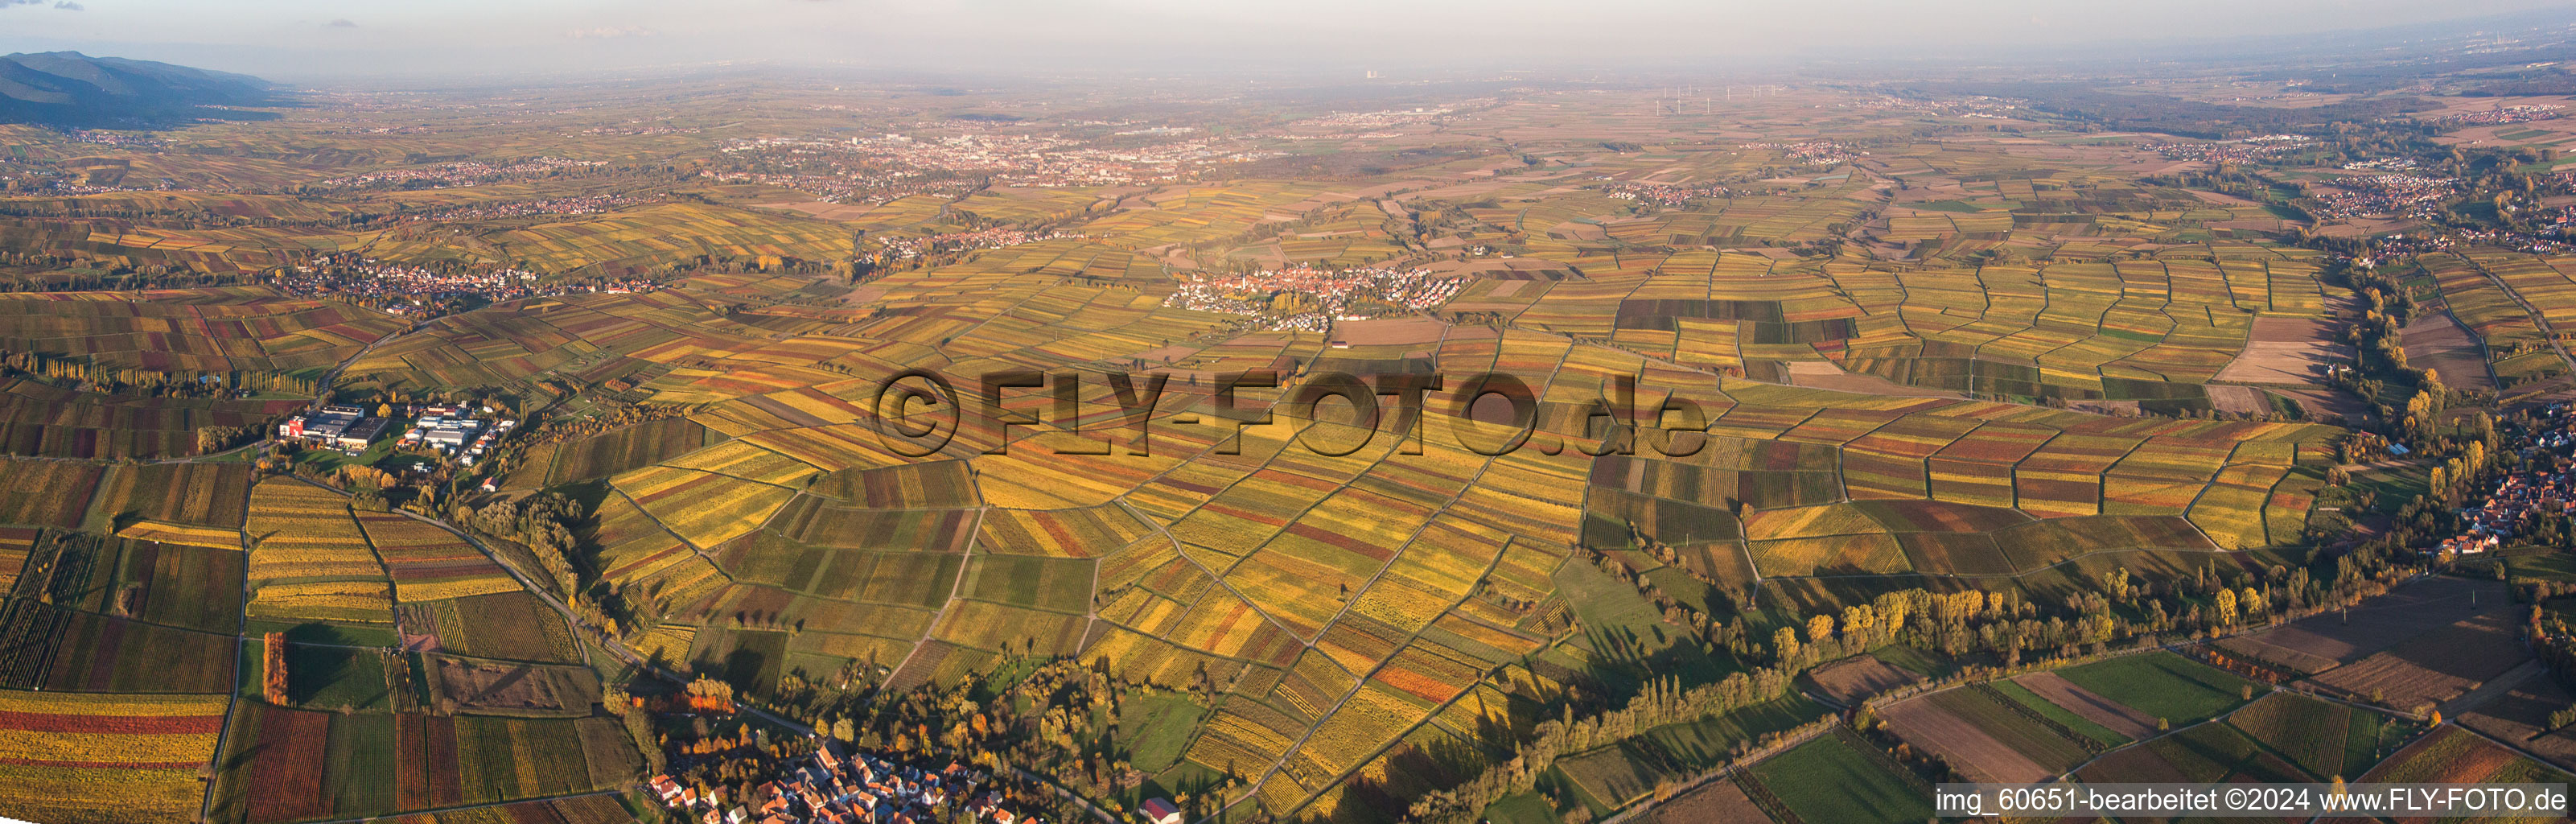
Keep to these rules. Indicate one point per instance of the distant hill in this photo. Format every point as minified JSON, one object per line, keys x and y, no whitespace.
{"x":75,"y":89}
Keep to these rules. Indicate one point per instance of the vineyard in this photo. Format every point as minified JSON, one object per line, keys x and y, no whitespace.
{"x":64,"y":753}
{"x":1940,"y":434}
{"x":309,"y":560}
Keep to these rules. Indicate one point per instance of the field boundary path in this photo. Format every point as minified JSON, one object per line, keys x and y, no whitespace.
{"x":1361,"y":679}
{"x":1751,"y":757}
{"x":2498,"y":684}
{"x":484,"y":805}
{"x":1069,"y":795}
{"x":2493,"y":687}
{"x":608,"y":641}
{"x":974,"y":537}
{"x":2537,"y":320}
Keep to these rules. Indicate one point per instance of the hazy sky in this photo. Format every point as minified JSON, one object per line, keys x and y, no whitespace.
{"x":309,"y":41}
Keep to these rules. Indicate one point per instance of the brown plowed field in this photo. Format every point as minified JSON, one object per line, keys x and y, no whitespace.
{"x":2436,"y":666}
{"x":1959,"y":742}
{"x":2436,"y":342}
{"x":2521,"y":716}
{"x":2288,"y":350}
{"x":1717,"y":802}
{"x":2344,"y":637}
{"x":1850,"y":680}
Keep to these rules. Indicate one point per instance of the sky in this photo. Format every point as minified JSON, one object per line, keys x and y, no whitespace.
{"x":316,"y":42}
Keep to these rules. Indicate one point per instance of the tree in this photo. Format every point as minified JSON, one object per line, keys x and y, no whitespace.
{"x":272,"y":684}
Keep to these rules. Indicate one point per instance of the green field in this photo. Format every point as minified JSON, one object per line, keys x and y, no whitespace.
{"x":1612,"y":777}
{"x":1991,"y":715}
{"x":1053,"y":584}
{"x":337,"y":678}
{"x":1522,"y":808}
{"x":1159,"y":728}
{"x":1615,"y":776}
{"x":2163,"y":685}
{"x":2325,"y":738}
{"x":1704,"y":743}
{"x":1623,"y":628}
{"x":2081,"y":725}
{"x":1840,"y":778}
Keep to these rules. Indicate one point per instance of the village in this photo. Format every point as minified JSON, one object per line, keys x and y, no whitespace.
{"x":2230,"y":151}
{"x":994,"y":238}
{"x":1308,"y":299}
{"x":2500,"y":115}
{"x":2399,"y":194}
{"x":421,"y":293}
{"x":1004,"y":159}
{"x":2545,"y":484}
{"x":1814,"y":152}
{"x":465,"y":173}
{"x":1669,"y":195}
{"x":577,"y":205}
{"x":839,"y":784}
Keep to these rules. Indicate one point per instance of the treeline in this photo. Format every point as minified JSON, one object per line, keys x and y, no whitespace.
{"x":86,"y":374}
{"x":2378,"y":340}
{"x":46,"y":272}
{"x":1052,"y":717}
{"x":1662,"y":702}
{"x":599,"y":419}
{"x":2002,"y":623}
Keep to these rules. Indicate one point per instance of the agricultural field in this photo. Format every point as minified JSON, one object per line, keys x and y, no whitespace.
{"x":42,"y":420}
{"x":511,"y":626}
{"x":2451,"y":755}
{"x":309,"y":560}
{"x":1988,"y":735}
{"x":609,"y":453}
{"x":1839,"y":777}
{"x":178,"y":585}
{"x":2324,"y":738}
{"x":1830,"y":389}
{"x":2162,"y":685}
{"x":39,"y":493}
{"x":2433,"y":668}
{"x":2426,"y":642}
{"x":1614,"y":777}
{"x":2204,"y":753}
{"x":428,"y":563}
{"x":64,"y":753}
{"x":288,"y":765}
{"x":191,"y":333}
{"x":2077,"y":709}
